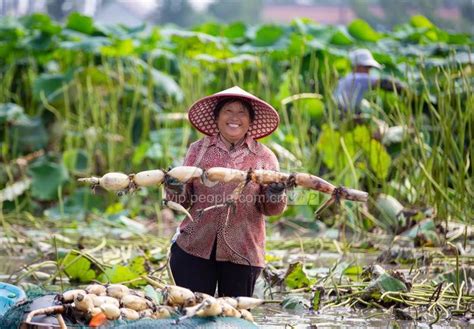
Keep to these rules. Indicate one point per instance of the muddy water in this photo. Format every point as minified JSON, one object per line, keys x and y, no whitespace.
{"x":274,"y":317}
{"x":9,"y":265}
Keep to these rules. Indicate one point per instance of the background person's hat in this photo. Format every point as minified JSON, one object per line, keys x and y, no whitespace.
{"x":363,"y":57}
{"x":201,"y":113}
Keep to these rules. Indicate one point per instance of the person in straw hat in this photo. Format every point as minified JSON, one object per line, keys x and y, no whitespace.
{"x":225,"y":249}
{"x":351,"y":89}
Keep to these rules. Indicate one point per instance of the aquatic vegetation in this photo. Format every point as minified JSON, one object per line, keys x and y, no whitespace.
{"x":79,"y":100}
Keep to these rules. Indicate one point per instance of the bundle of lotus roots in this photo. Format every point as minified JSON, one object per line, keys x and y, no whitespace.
{"x":97,"y":304}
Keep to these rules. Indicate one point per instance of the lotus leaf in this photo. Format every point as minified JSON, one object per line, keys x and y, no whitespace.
{"x":80,"y":23}
{"x":361,"y":30}
{"x":47,"y":177}
{"x":296,"y":277}
{"x":78,"y":268}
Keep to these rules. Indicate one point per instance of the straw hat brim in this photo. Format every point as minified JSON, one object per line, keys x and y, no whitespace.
{"x":201,"y":113}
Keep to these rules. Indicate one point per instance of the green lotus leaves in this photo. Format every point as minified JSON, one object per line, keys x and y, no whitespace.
{"x":267,"y":35}
{"x":379,"y":160}
{"x":78,"y":267}
{"x":389,"y":283}
{"x":121,"y":273}
{"x":235,"y":32}
{"x":335,"y":157}
{"x":52,"y":86}
{"x":361,"y":30}
{"x":296,"y":277}
{"x":163,"y":60}
{"x":314,"y":107}
{"x":421,"y":22}
{"x":11,"y":29}
{"x":77,"y":205}
{"x":341,"y":37}
{"x":47,"y":179}
{"x":211,"y":28}
{"x":296,"y":303}
{"x":28,"y":134}
{"x":162,"y":81}
{"x":76,"y":161}
{"x":40,"y":22}
{"x":306,"y":105}
{"x":89,"y":44}
{"x":80,"y":23}
{"x":121,"y":47}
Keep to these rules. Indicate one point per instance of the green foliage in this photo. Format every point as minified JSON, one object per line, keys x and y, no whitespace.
{"x":296,"y":303}
{"x":76,"y":206}
{"x":296,"y":277}
{"x":76,"y":161}
{"x":152,"y":293}
{"x":80,"y":23}
{"x":47,"y":178}
{"x":98,"y":97}
{"x":385,"y":283}
{"x":78,"y":268}
{"x":267,"y":35}
{"x":122,"y":273}
{"x":361,"y":30}
{"x":348,"y":149}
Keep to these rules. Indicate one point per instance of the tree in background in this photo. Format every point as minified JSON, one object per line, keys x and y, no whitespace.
{"x":467,"y":12}
{"x":60,"y":9}
{"x":178,"y":12}
{"x":227,"y":11}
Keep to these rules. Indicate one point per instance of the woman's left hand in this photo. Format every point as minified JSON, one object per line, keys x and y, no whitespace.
{"x":276,"y":188}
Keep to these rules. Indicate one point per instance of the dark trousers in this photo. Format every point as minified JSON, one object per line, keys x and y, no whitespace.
{"x":203,"y":275}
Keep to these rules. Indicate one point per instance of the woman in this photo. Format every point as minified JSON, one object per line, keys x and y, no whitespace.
{"x":220,"y":247}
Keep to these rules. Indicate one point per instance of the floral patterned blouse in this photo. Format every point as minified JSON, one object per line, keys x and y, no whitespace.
{"x":242,"y":239}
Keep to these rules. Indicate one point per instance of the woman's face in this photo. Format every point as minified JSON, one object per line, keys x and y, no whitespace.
{"x":233,"y":121}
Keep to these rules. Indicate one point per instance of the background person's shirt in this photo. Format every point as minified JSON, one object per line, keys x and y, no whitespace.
{"x":351,"y":89}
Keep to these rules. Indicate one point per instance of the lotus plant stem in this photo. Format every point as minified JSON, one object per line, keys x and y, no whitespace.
{"x":153,"y":282}
{"x":57,"y":263}
{"x":168,"y":266}
{"x":349,"y":160}
{"x":437,"y":317}
{"x":30,"y":269}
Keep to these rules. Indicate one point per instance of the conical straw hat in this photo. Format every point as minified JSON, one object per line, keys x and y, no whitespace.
{"x":201,"y":113}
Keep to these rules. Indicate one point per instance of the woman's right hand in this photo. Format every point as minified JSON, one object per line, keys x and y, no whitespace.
{"x":173,"y":185}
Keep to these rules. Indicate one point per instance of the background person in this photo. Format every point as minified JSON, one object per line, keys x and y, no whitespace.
{"x":350,"y":89}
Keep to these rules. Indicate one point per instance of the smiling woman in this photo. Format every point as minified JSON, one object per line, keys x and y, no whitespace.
{"x":223,"y":248}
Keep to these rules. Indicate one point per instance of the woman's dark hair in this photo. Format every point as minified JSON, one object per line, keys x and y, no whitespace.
{"x":220,"y":104}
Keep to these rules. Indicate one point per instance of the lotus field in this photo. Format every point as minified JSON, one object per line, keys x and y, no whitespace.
{"x":80,"y":100}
